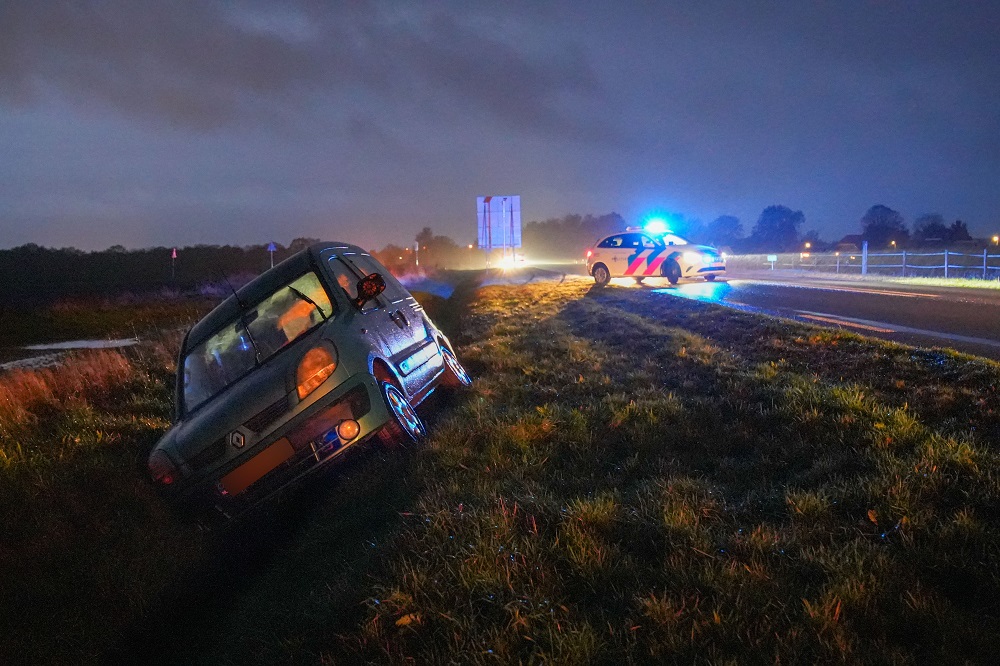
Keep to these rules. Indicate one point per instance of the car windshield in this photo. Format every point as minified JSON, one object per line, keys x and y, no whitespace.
{"x":262,"y":330}
{"x":673,"y":239}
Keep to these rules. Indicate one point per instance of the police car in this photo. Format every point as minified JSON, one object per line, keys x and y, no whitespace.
{"x":640,"y":253}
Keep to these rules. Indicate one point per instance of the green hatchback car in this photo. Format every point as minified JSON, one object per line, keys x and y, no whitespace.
{"x":318,"y":354}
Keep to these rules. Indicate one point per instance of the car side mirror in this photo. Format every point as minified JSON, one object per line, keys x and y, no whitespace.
{"x":369,"y":287}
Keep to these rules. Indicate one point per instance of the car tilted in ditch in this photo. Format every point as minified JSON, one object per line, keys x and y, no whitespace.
{"x":313,"y":357}
{"x":641,"y":253}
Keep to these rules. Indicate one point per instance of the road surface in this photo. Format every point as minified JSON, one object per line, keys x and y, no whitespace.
{"x":961,"y":318}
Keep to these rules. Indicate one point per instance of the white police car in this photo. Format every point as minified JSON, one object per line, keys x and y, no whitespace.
{"x":640,"y":253}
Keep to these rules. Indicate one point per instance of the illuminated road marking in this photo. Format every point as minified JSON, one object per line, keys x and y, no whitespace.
{"x":878,"y":326}
{"x":850,"y":290}
{"x":843,"y":321}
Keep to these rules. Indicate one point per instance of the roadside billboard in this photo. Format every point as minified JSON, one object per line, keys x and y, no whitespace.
{"x":499,"y":221}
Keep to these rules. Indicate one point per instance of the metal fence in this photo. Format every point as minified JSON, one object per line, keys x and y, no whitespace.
{"x":902,"y":263}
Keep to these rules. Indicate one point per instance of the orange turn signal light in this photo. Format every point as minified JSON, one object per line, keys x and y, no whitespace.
{"x":314,"y":369}
{"x":348,"y":429}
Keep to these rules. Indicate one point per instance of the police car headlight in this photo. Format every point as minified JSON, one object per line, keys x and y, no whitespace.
{"x":692,"y":257}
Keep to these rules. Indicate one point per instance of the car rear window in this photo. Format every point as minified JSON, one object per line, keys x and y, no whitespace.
{"x":260,"y":332}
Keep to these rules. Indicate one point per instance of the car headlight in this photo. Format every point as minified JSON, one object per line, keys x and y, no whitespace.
{"x":315,"y":368}
{"x":692,"y":257}
{"x":162,"y":468}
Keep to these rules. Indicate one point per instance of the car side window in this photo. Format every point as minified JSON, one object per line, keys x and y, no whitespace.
{"x":612,"y":241}
{"x":347,"y":278}
{"x":633,"y":241}
{"x":394,"y":291}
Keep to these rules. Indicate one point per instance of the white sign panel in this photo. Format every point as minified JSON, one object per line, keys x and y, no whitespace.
{"x":499,"y":221}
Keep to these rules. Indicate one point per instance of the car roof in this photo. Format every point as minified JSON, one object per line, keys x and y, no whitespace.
{"x":260,"y":287}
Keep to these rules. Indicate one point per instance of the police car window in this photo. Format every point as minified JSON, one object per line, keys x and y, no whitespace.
{"x":648,"y":242}
{"x":613,"y":241}
{"x":633,"y":241}
{"x":347,"y":278}
{"x":367,"y":265}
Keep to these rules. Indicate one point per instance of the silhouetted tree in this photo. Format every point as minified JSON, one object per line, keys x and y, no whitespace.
{"x":816,"y":244}
{"x":725,"y":230}
{"x":301,"y":244}
{"x":777,"y":229}
{"x":959,"y":232}
{"x":930,"y":227}
{"x":880,"y":225}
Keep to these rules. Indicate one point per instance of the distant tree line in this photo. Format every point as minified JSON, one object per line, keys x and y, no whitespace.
{"x":31,"y":274}
{"x":777,"y":229}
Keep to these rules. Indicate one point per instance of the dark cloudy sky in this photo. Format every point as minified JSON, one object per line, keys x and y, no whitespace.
{"x":175,"y":123}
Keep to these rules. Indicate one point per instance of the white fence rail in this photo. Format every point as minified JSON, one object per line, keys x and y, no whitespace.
{"x":902,"y":263}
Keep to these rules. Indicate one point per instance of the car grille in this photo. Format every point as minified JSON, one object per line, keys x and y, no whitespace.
{"x":268,"y":416}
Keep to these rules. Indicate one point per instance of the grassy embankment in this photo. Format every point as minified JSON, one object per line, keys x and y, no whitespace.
{"x":86,"y":547}
{"x":632,"y":477}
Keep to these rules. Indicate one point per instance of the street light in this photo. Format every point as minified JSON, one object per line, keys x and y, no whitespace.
{"x":808,"y":245}
{"x":893,"y":244}
{"x":996,"y":240}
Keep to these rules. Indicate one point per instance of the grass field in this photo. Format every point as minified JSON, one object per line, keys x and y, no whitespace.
{"x":631,"y":478}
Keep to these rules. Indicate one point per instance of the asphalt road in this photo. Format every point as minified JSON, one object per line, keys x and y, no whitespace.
{"x":965,"y":319}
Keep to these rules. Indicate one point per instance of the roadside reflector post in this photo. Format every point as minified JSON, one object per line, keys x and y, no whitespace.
{"x":864,"y":258}
{"x":903,"y":273}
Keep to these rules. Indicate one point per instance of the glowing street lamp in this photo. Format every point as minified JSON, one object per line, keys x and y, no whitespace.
{"x":996,"y":240}
{"x":893,"y":244}
{"x":808,"y":245}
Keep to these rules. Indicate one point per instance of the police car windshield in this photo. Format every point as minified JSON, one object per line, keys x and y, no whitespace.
{"x":672,"y":239}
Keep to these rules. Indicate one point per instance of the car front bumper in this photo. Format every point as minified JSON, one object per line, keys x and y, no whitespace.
{"x":305,"y":444}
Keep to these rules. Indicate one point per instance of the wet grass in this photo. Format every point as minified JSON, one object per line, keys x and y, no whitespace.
{"x":87,"y":547}
{"x":640,"y":480}
{"x":631,"y":478}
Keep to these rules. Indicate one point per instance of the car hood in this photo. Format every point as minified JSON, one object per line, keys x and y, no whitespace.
{"x":263,"y":387}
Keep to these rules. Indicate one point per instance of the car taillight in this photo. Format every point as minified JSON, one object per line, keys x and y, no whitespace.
{"x":314,"y":369}
{"x":590,"y":253}
{"x":162,"y":468}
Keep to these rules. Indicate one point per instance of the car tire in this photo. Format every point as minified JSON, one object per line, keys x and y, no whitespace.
{"x":710,"y":278}
{"x":639,"y":279}
{"x":405,"y":427}
{"x":601,"y":275}
{"x":454,"y":374}
{"x":672,"y":271}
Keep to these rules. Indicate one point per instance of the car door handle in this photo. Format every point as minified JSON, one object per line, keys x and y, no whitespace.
{"x":399,"y":318}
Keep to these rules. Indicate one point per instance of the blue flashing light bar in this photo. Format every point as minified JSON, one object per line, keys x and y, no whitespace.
{"x":656,"y":225}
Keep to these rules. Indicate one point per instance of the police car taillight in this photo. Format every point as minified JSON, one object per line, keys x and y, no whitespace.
{"x":590,"y":253}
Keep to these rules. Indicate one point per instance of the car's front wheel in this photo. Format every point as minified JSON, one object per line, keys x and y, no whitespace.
{"x":710,"y":278}
{"x":404,"y":426}
{"x":601,"y":275}
{"x":672,"y":271}
{"x":454,"y":374}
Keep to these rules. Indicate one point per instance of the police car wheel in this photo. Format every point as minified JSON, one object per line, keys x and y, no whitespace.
{"x":601,"y":275}
{"x":672,"y":271}
{"x":710,"y":278}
